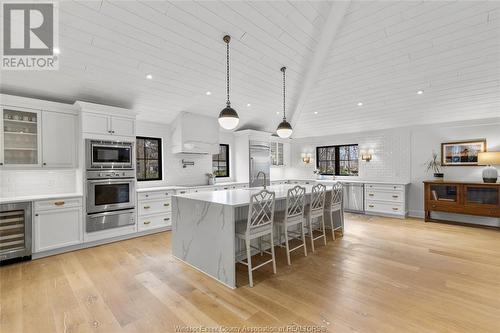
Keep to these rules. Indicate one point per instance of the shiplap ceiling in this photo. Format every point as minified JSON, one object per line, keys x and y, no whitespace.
{"x":382,"y":53}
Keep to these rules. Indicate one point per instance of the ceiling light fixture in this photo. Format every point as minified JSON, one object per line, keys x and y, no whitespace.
{"x":228,"y":117}
{"x":249,"y":105}
{"x":420,"y":92}
{"x":360,"y":103}
{"x":315,"y":112}
{"x":149,"y":76}
{"x":208,"y":93}
{"x":284,"y":129}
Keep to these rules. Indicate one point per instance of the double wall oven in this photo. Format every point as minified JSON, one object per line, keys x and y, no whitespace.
{"x":110,"y":185}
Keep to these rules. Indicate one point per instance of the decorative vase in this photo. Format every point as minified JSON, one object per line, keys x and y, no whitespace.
{"x":490,"y":174}
{"x":211,"y":181}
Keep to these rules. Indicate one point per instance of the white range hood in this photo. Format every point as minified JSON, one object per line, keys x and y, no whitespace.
{"x":195,"y":134}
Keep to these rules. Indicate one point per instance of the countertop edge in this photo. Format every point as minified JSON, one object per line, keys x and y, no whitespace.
{"x":37,"y":197}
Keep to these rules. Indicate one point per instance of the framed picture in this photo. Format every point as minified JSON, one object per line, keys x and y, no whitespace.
{"x":461,"y":153}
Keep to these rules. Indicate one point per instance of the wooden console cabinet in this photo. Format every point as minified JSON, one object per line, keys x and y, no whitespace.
{"x":471,"y":198}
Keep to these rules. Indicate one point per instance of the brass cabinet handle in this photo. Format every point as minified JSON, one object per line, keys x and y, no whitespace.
{"x":166,"y":219}
{"x":59,"y":203}
{"x":371,"y":194}
{"x":147,"y":207}
{"x":166,"y":204}
{"x":371,"y":206}
{"x":395,"y":208}
{"x":395,"y":196}
{"x":147,"y":222}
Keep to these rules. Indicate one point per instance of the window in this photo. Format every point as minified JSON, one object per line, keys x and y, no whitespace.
{"x":148,"y":159}
{"x":220,"y":162}
{"x":339,"y":160}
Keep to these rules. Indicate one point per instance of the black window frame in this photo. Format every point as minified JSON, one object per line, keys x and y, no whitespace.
{"x":160,"y":159}
{"x":336,"y":160}
{"x":218,"y":161}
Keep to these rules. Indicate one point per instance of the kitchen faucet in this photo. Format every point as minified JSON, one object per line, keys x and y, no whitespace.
{"x":265,"y":178}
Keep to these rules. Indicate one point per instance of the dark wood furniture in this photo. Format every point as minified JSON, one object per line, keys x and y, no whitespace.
{"x":473,"y":198}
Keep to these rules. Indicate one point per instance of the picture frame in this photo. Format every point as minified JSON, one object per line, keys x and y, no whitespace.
{"x":462,"y":153}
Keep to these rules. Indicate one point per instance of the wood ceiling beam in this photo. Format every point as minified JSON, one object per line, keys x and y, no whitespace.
{"x":328,"y":35}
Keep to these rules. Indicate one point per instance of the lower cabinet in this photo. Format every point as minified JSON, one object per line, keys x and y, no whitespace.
{"x":386,"y":199}
{"x":57,"y":224}
{"x":154,"y":210}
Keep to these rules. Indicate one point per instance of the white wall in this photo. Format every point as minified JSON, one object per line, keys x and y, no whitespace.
{"x":399,"y":155}
{"x":34,"y":182}
{"x":173,"y":172}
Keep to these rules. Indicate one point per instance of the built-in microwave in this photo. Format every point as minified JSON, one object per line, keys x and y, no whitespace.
{"x":109,"y":155}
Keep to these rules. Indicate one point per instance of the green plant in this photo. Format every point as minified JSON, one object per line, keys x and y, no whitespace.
{"x":433,"y":164}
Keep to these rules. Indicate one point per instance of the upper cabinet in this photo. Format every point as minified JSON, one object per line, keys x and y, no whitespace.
{"x":21,"y":140}
{"x":103,"y":120}
{"x":280,"y":152}
{"x":58,"y":140}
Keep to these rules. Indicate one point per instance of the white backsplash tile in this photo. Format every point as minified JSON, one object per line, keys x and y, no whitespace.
{"x":30,"y":182}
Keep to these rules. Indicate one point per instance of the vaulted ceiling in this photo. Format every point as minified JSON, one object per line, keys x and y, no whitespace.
{"x":337,"y":55}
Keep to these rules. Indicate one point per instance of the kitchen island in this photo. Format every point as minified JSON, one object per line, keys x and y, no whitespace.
{"x":203,"y":227}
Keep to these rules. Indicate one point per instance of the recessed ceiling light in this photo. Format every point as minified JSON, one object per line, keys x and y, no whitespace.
{"x":149,"y":76}
{"x":360,"y":103}
{"x":249,"y":105}
{"x":420,"y":92}
{"x":315,"y":112}
{"x":277,"y":112}
{"x":208,"y":93}
{"x":56,"y":50}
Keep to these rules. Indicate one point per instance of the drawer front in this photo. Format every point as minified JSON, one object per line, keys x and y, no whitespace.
{"x":384,"y":187}
{"x":156,"y":221}
{"x":391,"y":196}
{"x":58,"y":204}
{"x":155,"y":206}
{"x":385,"y":207}
{"x":154,"y":195}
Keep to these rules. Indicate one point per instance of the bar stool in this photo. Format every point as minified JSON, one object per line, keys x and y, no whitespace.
{"x":259,"y":224}
{"x":336,"y":205}
{"x":316,"y":211}
{"x":293,"y":216}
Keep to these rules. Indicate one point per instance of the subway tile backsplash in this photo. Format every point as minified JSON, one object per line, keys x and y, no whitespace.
{"x":34,"y":182}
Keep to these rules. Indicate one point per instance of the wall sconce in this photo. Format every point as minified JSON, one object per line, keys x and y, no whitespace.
{"x":366,"y":155}
{"x":306,"y":158}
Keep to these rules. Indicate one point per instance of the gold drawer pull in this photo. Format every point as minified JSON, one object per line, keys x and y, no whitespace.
{"x":371,"y":194}
{"x":371,"y":206}
{"x":395,"y":208}
{"x":147,"y":222}
{"x":147,"y":207}
{"x":395,"y":196}
{"x":166,"y":219}
{"x":59,"y":203}
{"x":166,"y":204}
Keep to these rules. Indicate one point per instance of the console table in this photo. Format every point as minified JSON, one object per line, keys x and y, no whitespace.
{"x":473,"y":198}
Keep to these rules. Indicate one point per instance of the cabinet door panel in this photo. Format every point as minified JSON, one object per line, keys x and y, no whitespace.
{"x":57,"y":228}
{"x":122,"y":126}
{"x":21,"y":142}
{"x":95,"y":123}
{"x":58,"y":139}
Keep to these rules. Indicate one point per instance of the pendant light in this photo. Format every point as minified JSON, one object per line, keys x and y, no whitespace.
{"x":284,"y":129}
{"x":228,"y":118}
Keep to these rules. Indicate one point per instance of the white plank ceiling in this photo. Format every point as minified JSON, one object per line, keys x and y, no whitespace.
{"x":382,"y":54}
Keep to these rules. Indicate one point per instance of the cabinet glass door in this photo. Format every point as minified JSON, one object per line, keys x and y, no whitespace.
{"x":478,"y":195}
{"x":20,"y":137}
{"x":444,"y":193}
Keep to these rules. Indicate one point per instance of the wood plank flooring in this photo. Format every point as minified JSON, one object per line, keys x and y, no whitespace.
{"x":384,"y":275}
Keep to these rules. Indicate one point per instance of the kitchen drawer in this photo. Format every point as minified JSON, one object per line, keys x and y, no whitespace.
{"x":155,"y":206}
{"x":154,"y":195}
{"x":57,"y":204}
{"x":391,"y":196}
{"x":385,"y":207}
{"x":154,"y":221}
{"x":384,"y":187}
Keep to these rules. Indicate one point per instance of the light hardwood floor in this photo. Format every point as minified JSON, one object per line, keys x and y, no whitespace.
{"x":384,"y":275}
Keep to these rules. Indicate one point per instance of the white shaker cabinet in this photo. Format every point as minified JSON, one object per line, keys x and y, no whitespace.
{"x":57,"y":224}
{"x":58,"y":140}
{"x":154,"y":209}
{"x":96,"y":123}
{"x":122,"y":126}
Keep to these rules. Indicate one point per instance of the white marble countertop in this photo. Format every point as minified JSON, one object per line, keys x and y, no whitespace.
{"x":361,"y":181}
{"x":240,"y":197}
{"x":36,"y":197}
{"x":178,"y":187}
{"x":159,"y":188}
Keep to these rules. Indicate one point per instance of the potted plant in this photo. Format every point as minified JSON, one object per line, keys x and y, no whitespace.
{"x":211,"y":178}
{"x":435,"y":165}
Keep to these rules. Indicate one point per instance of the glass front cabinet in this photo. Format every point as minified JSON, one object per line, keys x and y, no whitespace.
{"x":21,"y":140}
{"x":277,"y":154}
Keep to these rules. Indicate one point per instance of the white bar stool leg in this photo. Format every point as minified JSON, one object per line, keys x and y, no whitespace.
{"x":249,"y":261}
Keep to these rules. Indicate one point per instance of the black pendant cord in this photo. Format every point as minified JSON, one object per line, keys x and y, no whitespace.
{"x":284,"y":92}
{"x":228,"y":103}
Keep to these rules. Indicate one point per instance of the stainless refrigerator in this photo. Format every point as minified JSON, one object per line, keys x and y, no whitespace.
{"x":260,"y":160}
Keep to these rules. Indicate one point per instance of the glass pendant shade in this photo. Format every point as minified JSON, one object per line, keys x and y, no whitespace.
{"x":228,"y":118}
{"x":284,"y":129}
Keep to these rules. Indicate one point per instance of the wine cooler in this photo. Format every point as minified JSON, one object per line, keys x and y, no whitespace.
{"x":15,"y":232}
